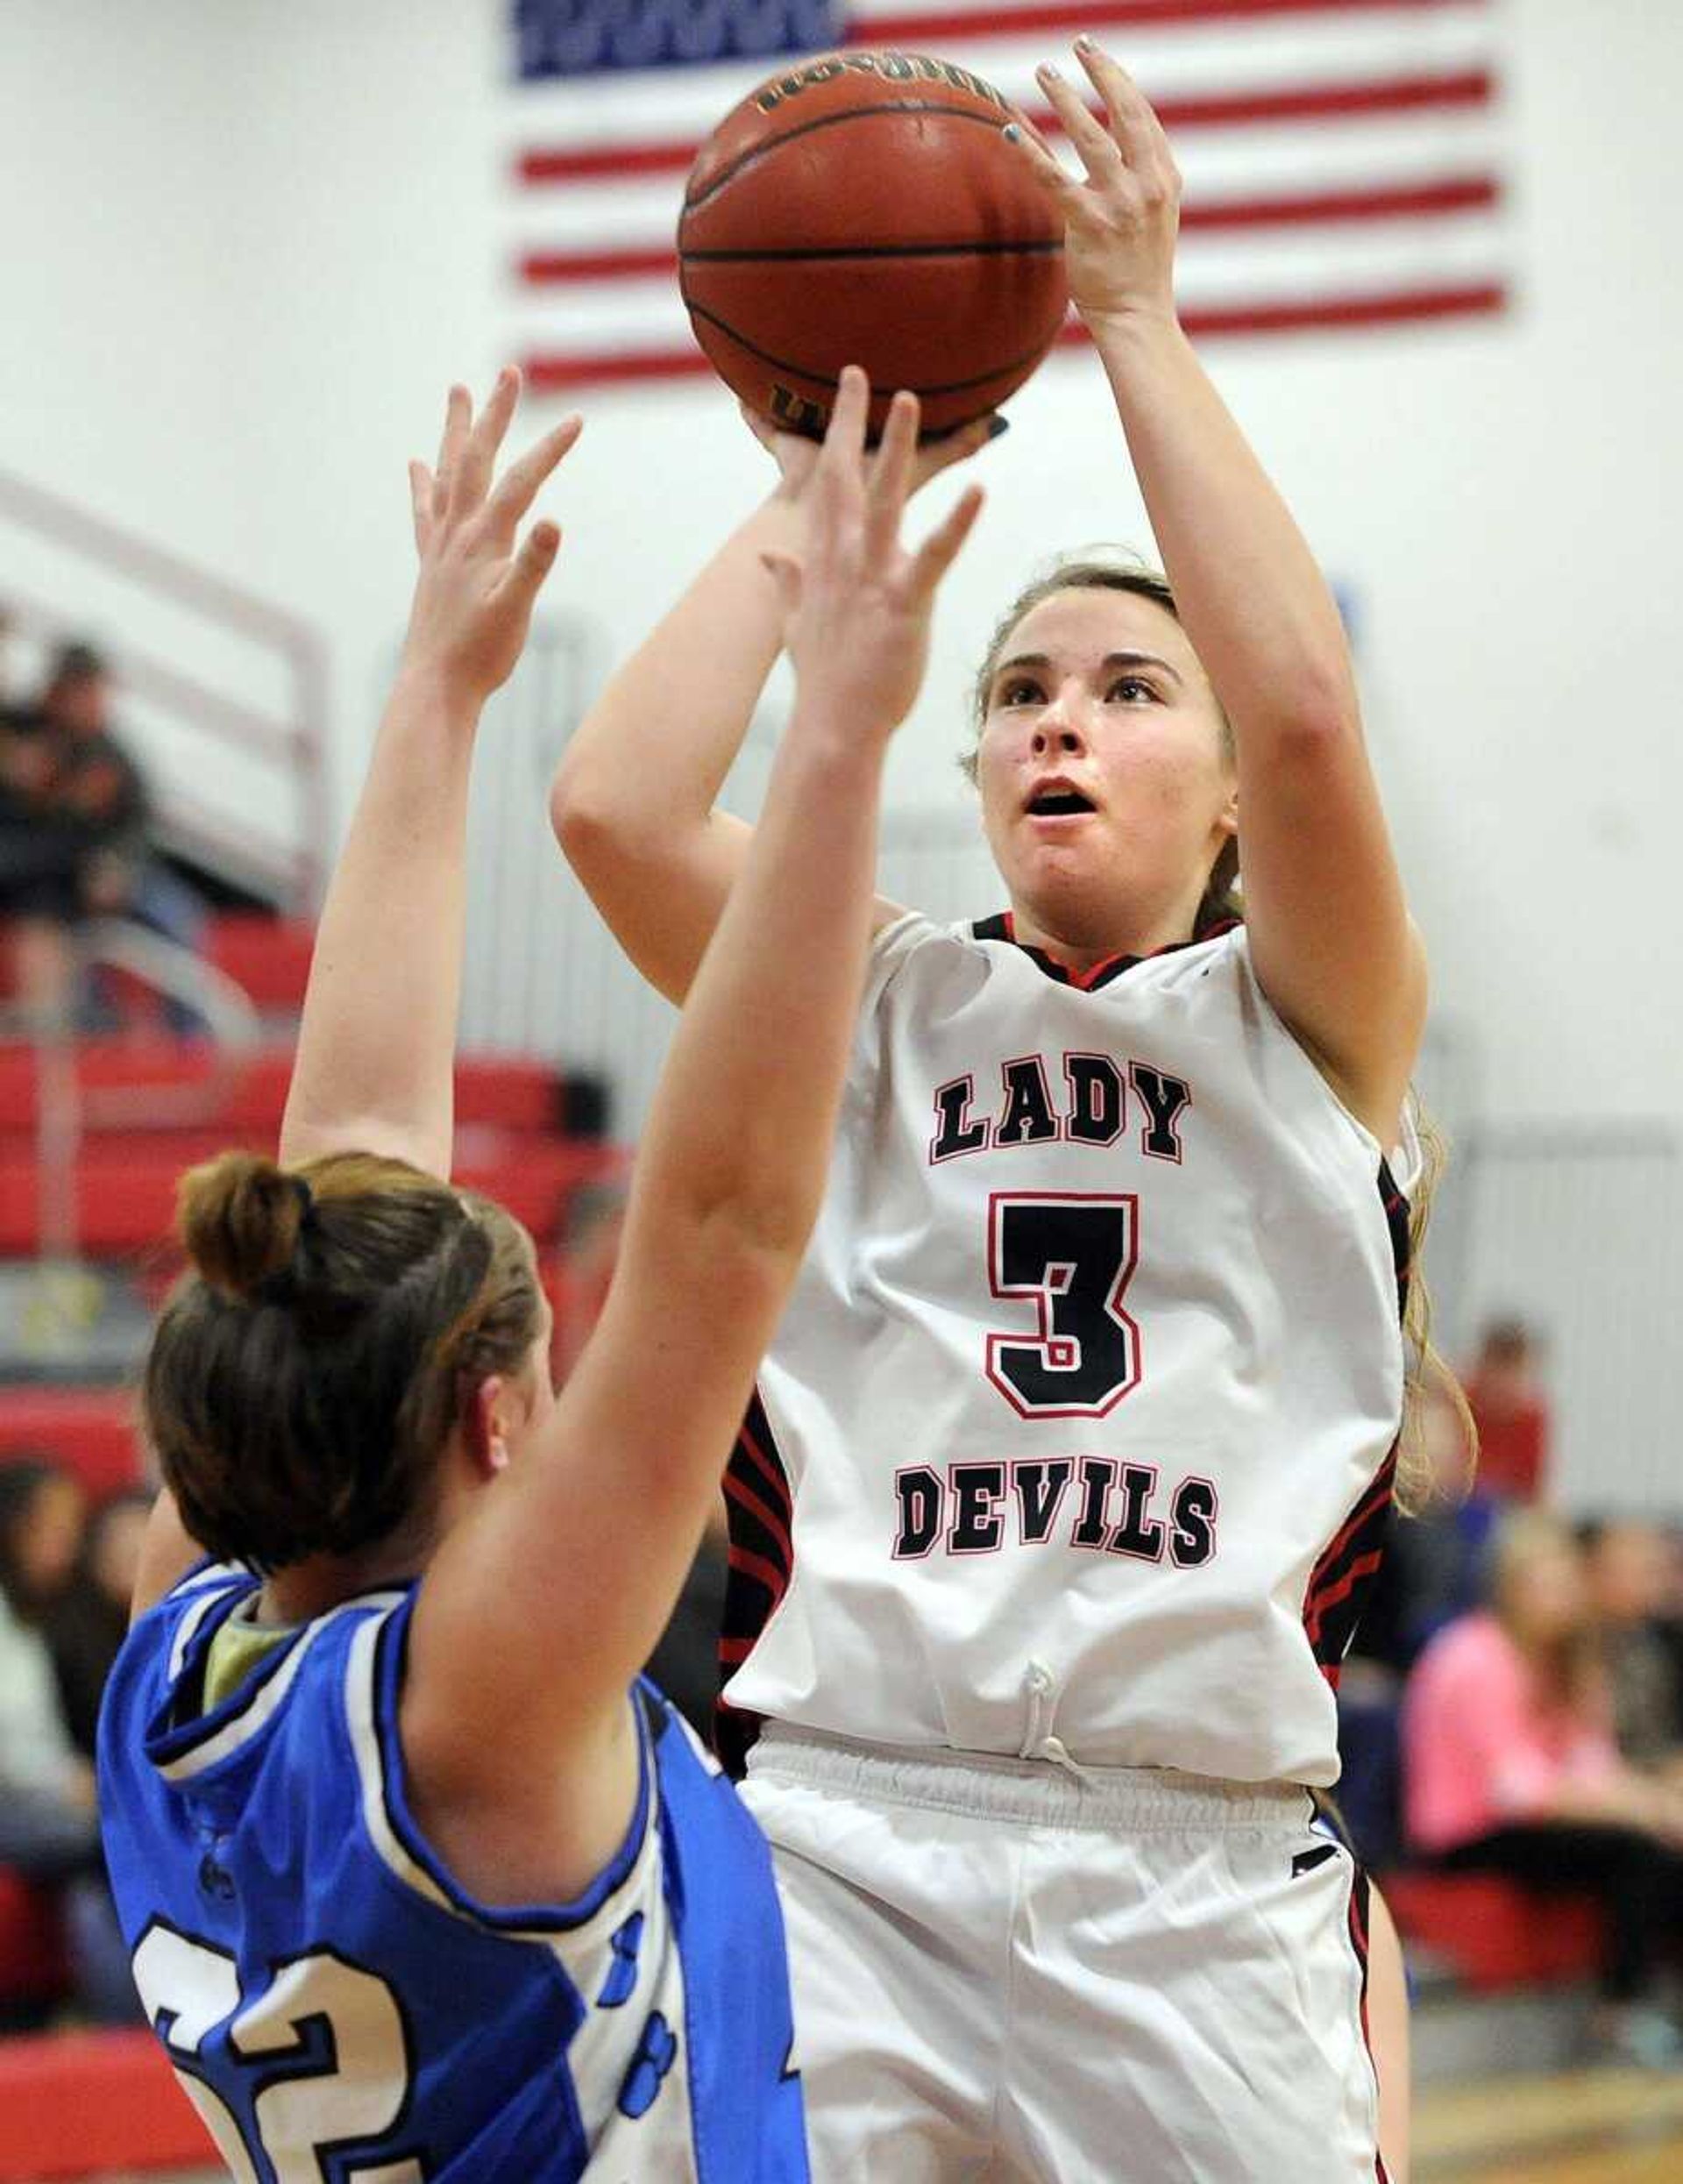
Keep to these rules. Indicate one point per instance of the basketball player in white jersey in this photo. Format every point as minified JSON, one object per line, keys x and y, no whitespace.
{"x":1071,"y":1459}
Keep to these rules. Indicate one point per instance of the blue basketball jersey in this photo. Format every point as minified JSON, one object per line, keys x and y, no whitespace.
{"x":339,"y":2007}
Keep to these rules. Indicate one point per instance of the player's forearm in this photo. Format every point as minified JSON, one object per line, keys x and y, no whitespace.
{"x":376,"y":1042}
{"x":742,"y":1124}
{"x":1254,"y":602}
{"x":651,"y":756}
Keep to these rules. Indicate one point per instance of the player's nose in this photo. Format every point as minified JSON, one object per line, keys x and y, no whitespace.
{"x":1061,"y":725}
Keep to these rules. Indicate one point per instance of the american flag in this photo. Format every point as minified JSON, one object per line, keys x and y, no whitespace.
{"x":1342,"y":158}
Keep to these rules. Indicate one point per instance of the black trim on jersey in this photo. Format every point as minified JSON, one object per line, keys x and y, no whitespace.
{"x":1002,"y":926}
{"x":759,"y":1506}
{"x":1341,"y":1580}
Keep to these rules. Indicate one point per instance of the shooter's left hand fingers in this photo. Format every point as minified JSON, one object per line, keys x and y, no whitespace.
{"x":1097,"y":149}
{"x":1134,"y":127}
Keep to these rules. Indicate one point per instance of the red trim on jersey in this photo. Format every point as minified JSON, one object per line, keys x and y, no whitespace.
{"x":760,"y":1508}
{"x":1004,"y":925}
{"x":745,"y":1497}
{"x":1350,"y":1559}
{"x":752,"y":1565}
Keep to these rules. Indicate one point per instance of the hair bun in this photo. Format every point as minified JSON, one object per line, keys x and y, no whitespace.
{"x":239,"y":1217}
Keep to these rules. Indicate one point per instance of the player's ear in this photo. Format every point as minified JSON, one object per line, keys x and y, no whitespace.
{"x":484,"y":1425}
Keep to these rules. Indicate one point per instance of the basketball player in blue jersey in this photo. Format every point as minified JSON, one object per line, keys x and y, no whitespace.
{"x":420,"y":1882}
{"x":1071,"y":1460}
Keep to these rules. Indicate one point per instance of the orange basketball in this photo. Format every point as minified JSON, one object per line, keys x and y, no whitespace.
{"x":865,"y":208}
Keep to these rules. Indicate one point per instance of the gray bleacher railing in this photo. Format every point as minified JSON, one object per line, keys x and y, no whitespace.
{"x":223,"y":694}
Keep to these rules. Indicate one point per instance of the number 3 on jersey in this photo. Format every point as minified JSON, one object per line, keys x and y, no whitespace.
{"x":1073,"y":1255}
{"x":312,"y":2070}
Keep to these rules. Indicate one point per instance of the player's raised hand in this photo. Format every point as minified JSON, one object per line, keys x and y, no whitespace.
{"x":797,"y":457}
{"x":857,"y":602}
{"x":1122,"y":212}
{"x":476,"y":588}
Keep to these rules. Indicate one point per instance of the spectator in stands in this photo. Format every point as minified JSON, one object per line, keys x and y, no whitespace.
{"x":76,"y":833}
{"x":40,"y":871}
{"x":1511,"y":1768}
{"x":49,"y":1831}
{"x":1512,"y":1414}
{"x":88,"y":1622}
{"x":1629,"y":1565}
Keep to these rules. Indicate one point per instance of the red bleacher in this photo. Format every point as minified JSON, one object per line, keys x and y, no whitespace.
{"x":78,"y":2104}
{"x":89,"y":1430}
{"x":1494,"y":1933}
{"x":268,"y":958}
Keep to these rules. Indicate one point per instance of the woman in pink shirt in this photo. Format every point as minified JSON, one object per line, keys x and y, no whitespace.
{"x":1510,"y":1767}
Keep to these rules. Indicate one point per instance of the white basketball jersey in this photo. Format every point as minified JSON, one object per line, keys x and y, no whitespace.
{"x":1076,"y":1438}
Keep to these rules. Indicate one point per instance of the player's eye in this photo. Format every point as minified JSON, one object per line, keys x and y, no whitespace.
{"x":1019,"y":690}
{"x":1132,"y":690}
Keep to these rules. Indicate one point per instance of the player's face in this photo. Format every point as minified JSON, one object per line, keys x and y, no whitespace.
{"x":1103,"y":763}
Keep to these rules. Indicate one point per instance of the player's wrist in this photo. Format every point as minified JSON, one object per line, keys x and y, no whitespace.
{"x":1133,"y":320}
{"x":432,"y":693}
{"x":844,"y":733}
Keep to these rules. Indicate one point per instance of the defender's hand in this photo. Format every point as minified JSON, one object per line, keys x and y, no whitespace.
{"x":474,"y":594}
{"x":857,"y":603}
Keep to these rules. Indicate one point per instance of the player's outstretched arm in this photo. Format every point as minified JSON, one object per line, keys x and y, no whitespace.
{"x":632,"y":801}
{"x":566,"y":1573}
{"x":372,"y":1072}
{"x":376,"y":1045}
{"x":1330,"y":931}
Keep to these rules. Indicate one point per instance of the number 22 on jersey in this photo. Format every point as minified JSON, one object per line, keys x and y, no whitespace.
{"x":315,"y":2063}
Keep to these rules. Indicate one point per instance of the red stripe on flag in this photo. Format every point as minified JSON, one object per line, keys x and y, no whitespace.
{"x":553,"y":372}
{"x":1459,"y":193}
{"x":1464,"y":193}
{"x":1308,"y":101}
{"x":1057,"y":17}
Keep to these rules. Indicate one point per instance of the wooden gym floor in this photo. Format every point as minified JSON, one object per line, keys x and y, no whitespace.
{"x":1590,"y":2127}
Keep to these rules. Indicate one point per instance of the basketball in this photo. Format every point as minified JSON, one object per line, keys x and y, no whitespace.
{"x":865,"y":208}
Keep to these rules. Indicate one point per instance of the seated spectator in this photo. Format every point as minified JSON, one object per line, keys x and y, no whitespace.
{"x":1511,"y":1768}
{"x":49,"y":1831}
{"x":1629,"y":1565}
{"x":74,"y":832}
{"x":87,"y":1623}
{"x":1512,"y":1414}
{"x":41,"y":858}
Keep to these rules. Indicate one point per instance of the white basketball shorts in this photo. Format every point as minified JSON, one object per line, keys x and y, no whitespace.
{"x":1008,"y":1972}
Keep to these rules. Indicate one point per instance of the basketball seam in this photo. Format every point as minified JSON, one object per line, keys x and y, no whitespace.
{"x":824,"y":379}
{"x":871,"y":250}
{"x":828,"y":121}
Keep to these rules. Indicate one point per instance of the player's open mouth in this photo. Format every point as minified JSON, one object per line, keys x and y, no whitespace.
{"x":1058,"y":800}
